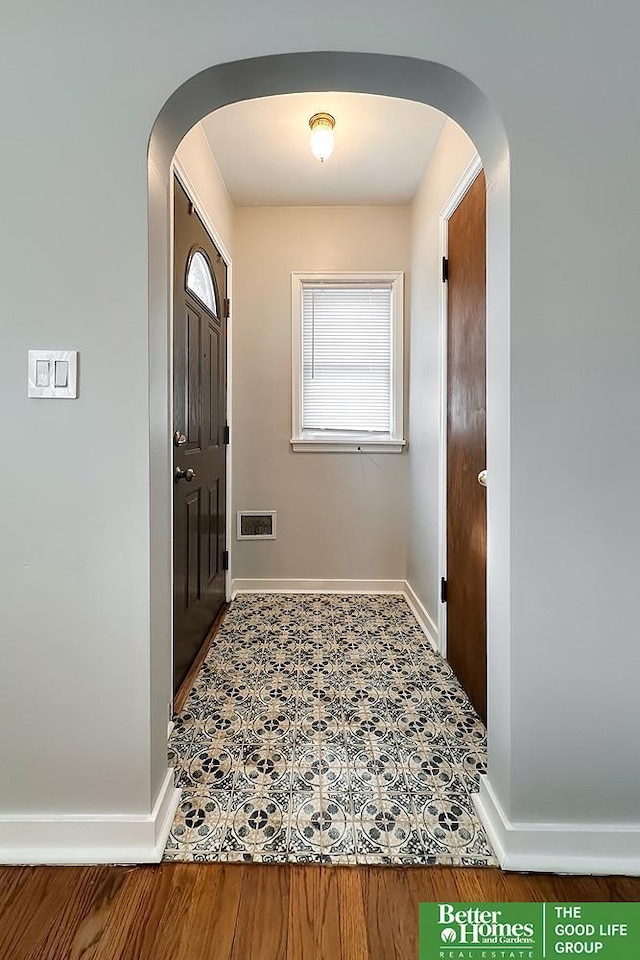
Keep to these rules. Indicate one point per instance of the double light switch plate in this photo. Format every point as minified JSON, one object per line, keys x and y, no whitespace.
{"x":53,"y":374}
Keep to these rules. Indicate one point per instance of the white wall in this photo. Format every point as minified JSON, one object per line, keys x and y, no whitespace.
{"x":448,"y":161}
{"x":195,"y":157}
{"x":340,"y":515}
{"x":77,"y":555}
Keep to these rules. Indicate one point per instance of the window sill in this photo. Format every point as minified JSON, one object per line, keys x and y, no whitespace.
{"x":300,"y":445}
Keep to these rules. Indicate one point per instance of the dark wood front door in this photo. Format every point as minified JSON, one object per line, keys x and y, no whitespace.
{"x":466,"y":446}
{"x":199,"y":420}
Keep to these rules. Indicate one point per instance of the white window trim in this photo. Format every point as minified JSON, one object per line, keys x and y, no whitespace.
{"x":350,"y":443}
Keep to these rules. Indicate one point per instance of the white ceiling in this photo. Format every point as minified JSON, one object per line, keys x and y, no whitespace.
{"x":382,"y":147}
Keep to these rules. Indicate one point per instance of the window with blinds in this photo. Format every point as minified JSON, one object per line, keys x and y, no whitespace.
{"x":346,"y":358}
{"x":349,"y":352}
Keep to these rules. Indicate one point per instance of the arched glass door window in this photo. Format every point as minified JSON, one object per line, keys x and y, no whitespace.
{"x":200,"y":281}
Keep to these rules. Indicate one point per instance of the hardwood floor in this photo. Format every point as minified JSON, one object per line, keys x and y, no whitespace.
{"x":250,"y":912}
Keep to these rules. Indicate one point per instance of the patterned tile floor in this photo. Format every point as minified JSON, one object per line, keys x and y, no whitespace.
{"x":323,"y":728}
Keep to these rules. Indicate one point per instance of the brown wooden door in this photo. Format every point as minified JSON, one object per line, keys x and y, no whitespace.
{"x":466,"y":446}
{"x":199,"y":420}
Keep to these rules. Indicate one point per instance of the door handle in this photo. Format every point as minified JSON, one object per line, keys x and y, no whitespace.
{"x":179,"y":438}
{"x":187,"y":474}
{"x":482,"y":478}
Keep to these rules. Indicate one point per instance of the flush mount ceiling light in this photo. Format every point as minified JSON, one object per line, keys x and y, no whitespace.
{"x":322,"y":125}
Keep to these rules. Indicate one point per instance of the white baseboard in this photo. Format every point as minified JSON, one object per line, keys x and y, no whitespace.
{"x":317,"y":586}
{"x":558,"y":847}
{"x":85,"y":839}
{"x":422,"y":615}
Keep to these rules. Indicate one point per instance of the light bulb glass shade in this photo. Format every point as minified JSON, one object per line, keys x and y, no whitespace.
{"x":322,"y":125}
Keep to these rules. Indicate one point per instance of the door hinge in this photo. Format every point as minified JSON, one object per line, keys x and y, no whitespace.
{"x":227,"y":308}
{"x":443,"y":590}
{"x":226,"y":436}
{"x":445,"y":269}
{"x":225,"y":559}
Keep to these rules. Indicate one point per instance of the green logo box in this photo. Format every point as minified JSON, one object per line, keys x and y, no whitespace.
{"x":529,"y":931}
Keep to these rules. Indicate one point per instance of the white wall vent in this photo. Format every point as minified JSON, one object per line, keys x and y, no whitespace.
{"x":256,"y":525}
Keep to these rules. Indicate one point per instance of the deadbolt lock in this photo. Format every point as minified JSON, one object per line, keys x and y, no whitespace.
{"x":179,"y":438}
{"x":187,"y":474}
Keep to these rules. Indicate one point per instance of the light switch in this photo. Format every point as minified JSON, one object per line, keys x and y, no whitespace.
{"x":43,"y":373}
{"x":53,"y":374}
{"x":61,"y":377}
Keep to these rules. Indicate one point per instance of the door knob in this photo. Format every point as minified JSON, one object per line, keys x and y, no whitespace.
{"x":187,"y":474}
{"x":179,"y":438}
{"x":482,"y":478}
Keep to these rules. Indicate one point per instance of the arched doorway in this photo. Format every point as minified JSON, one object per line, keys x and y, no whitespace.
{"x":423,"y":81}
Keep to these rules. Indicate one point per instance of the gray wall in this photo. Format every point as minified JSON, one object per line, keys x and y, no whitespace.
{"x":340,"y":515}
{"x":452,"y":153}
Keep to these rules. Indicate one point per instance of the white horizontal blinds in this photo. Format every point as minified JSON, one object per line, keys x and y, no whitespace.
{"x":347,"y":357}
